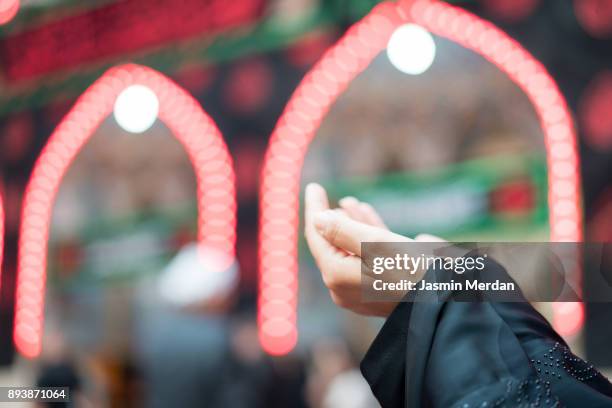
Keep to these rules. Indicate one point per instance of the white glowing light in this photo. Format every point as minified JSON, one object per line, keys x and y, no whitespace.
{"x":411,"y":49}
{"x":194,"y":276}
{"x":136,"y":108}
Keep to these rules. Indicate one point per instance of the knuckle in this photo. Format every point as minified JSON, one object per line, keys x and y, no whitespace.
{"x":333,"y":230}
{"x":329,"y":278}
{"x":338,"y":300}
{"x":326,"y":279}
{"x":332,"y":282}
{"x":329,"y":275}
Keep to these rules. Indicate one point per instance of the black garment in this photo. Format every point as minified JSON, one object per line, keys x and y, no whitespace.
{"x":60,"y":374}
{"x":477,"y":354}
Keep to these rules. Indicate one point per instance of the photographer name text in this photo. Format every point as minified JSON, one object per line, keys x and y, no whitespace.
{"x":423,"y":285}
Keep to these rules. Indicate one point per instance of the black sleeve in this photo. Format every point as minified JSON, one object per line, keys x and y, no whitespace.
{"x":477,"y":354}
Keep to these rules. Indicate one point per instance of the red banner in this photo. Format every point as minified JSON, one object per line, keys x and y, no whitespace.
{"x":117,"y":29}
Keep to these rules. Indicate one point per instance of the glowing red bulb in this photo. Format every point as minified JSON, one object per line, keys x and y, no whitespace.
{"x":249,"y":86}
{"x":595,"y":16}
{"x":568,"y":317}
{"x":511,"y":10}
{"x":595,"y":108}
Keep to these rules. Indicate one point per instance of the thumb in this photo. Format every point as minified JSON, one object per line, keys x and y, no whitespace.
{"x":348,"y":234}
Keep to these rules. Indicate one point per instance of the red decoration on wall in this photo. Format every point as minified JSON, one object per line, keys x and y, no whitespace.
{"x":595,"y":16}
{"x":247,"y":155}
{"x":249,"y":86}
{"x":117,"y":29}
{"x":308,"y":49}
{"x":600,"y":225}
{"x":17,"y":137}
{"x":195,"y":78}
{"x":595,"y":112}
{"x":511,"y":10}
{"x":192,"y":127}
{"x":12,"y":206}
{"x":280,"y":185}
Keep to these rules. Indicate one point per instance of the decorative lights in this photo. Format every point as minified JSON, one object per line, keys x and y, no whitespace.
{"x":192,"y":127}
{"x":279,"y":199}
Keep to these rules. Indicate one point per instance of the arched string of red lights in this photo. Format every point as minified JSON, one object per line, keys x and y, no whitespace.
{"x":192,"y":127}
{"x":279,"y":201}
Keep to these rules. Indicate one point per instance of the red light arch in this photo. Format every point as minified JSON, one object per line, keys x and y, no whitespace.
{"x":192,"y":127}
{"x":279,"y":200}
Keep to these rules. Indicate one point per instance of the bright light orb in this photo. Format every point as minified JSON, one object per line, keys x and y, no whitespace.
{"x":411,"y":49}
{"x":136,"y":108}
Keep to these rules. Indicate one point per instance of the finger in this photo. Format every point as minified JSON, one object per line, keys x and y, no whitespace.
{"x":362,"y":212}
{"x":372,"y":216}
{"x":345,"y":233}
{"x":348,"y":201}
{"x":315,"y":201}
{"x":342,"y":273}
{"x":316,"y":198}
{"x":351,"y":206}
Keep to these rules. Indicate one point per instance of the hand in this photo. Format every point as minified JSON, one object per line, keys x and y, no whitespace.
{"x":335,"y":237}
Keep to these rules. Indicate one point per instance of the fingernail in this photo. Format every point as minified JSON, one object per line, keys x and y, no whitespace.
{"x":348,"y":200}
{"x":321,"y":220}
{"x":311,"y":188}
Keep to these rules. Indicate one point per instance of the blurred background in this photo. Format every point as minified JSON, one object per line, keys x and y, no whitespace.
{"x":453,"y":148}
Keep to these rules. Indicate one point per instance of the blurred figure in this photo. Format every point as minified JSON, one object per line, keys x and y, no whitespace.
{"x":246,"y":376}
{"x":251,"y":379}
{"x":58,"y":369}
{"x":349,"y":389}
{"x":334,"y":380}
{"x":287,"y":384}
{"x":182,"y":331}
